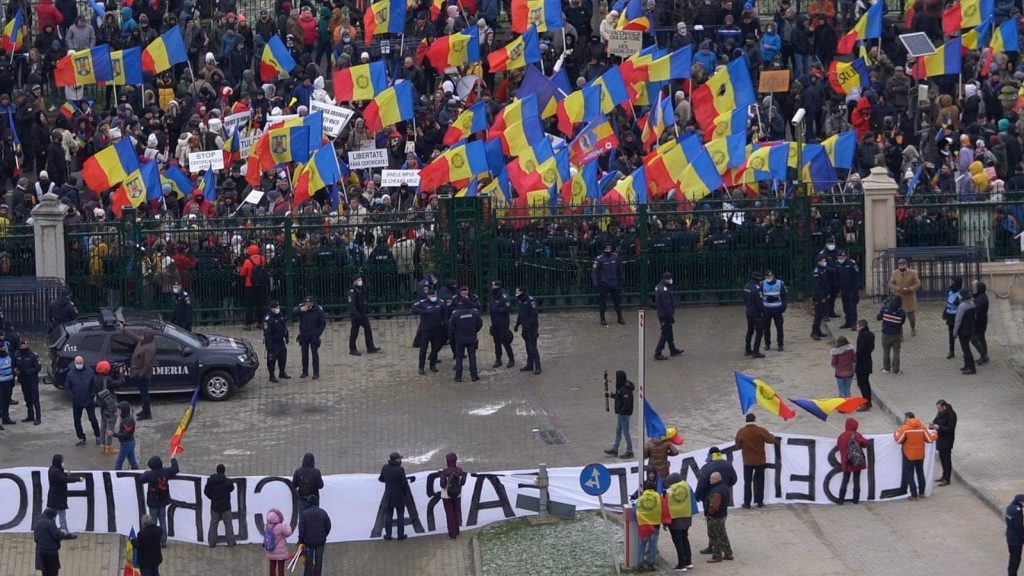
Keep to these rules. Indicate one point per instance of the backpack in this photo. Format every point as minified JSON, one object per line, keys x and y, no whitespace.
{"x":855,"y":454}
{"x":260,"y":275}
{"x":269,"y":539}
{"x":306,"y":485}
{"x":454,"y":487}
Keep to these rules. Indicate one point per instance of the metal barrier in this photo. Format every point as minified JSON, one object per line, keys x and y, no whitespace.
{"x":935,"y":267}
{"x":990,"y":227}
{"x":25,"y":301}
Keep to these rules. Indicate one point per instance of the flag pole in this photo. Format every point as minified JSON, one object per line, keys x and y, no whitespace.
{"x":643,"y":399}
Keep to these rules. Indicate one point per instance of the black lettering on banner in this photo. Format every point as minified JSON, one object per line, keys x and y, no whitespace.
{"x":870,"y":456}
{"x":19,"y":516}
{"x":240,"y":512}
{"x":688,"y":467}
{"x":810,"y":443}
{"x":835,"y":468}
{"x":37,"y":496}
{"x":777,"y":466}
{"x":886,"y":493}
{"x":90,"y":500}
{"x":476,"y":505}
{"x":619,"y":477}
{"x":108,"y":494}
{"x":433,"y":497}
{"x":258,"y":517}
{"x":195,"y":505}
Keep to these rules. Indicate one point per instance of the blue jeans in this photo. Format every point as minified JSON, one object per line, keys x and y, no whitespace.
{"x":62,"y":517}
{"x":649,"y":549}
{"x":803,"y":64}
{"x":622,"y":429}
{"x":127,"y":452}
{"x":844,"y":386}
{"x":314,"y":560}
{"x":159,"y":516}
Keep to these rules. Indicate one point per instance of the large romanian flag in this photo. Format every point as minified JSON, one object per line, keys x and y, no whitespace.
{"x":845,"y":76}
{"x":275,"y":59}
{"x":517,"y":53}
{"x":127,"y":66}
{"x":14,"y":33}
{"x":84,"y":68}
{"x":458,"y":164}
{"x":757,"y":391}
{"x":361,"y":82}
{"x":470,"y":121}
{"x":966,"y":14}
{"x":110,"y":166}
{"x":140,"y":186}
{"x":595,"y":140}
{"x":389,"y":107}
{"x":580,"y":106}
{"x":544,"y":14}
{"x":728,"y":89}
{"x":869,"y":26}
{"x":165,"y":51}
{"x":384,"y":17}
{"x":455,"y":49}
{"x":321,"y":171}
{"x":946,"y":60}
{"x":186,"y":419}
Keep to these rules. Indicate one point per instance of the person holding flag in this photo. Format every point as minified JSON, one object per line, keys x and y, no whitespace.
{"x":158,"y":492}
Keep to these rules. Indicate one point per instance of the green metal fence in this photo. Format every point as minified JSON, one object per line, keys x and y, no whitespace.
{"x":17,"y":251}
{"x":990,"y":227}
{"x":711,"y":248}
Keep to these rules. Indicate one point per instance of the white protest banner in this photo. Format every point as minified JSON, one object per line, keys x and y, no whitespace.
{"x":208,"y":160}
{"x":359,"y":159}
{"x":367,"y":144}
{"x":246,"y":142}
{"x":271,"y":119}
{"x":335,"y":117}
{"x":253,"y":197}
{"x":800,"y":469}
{"x":233,"y":120}
{"x":625,"y":42}
{"x":396,"y":178}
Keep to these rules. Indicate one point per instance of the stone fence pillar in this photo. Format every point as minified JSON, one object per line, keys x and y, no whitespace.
{"x":48,"y":225}
{"x":879,"y":220}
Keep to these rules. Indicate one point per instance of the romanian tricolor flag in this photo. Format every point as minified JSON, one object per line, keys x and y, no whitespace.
{"x":84,"y":68}
{"x":546,"y":15}
{"x":321,"y":171}
{"x":361,"y":82}
{"x":756,"y":391}
{"x":869,"y":26}
{"x":165,"y":51}
{"x":68,"y":110}
{"x":131,"y":559}
{"x":140,"y":186}
{"x":499,"y":189}
{"x":232,"y":147}
{"x":845,"y":76}
{"x":1005,"y":37}
{"x":728,"y":152}
{"x":966,"y":14}
{"x":840,"y":149}
{"x":208,"y":186}
{"x":770,"y":160}
{"x":127,"y":66}
{"x":516,"y":54}
{"x":389,"y":107}
{"x":674,"y":66}
{"x":517,"y":139}
{"x":179,"y":181}
{"x":632,"y":16}
{"x":634,"y":188}
{"x":664,"y":162}
{"x":14,"y":33}
{"x":580,"y":106}
{"x":110,"y":166}
{"x":470,"y":121}
{"x":822,"y":407}
{"x":455,"y":50}
{"x":458,"y":164}
{"x":517,"y":111}
{"x":384,"y":17}
{"x":732,"y":122}
{"x":581,"y":185}
{"x":728,"y":88}
{"x":700,"y":177}
{"x":289,"y":144}
{"x":946,"y":60}
{"x":175,"y":447}
{"x":978,"y":37}
{"x":275,"y":59}
{"x":595,"y":140}
{"x":548,"y":93}
{"x":613,"y":89}
{"x":654,"y":123}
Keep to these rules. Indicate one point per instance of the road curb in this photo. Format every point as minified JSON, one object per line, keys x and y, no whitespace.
{"x":474,"y":546}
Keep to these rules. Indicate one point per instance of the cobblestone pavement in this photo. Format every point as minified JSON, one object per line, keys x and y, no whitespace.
{"x":365,"y":407}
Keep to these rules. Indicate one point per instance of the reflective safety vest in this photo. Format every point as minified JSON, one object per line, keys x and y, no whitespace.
{"x":771,"y":293}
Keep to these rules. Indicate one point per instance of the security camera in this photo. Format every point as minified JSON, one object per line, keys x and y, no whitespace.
{"x":798,"y":117}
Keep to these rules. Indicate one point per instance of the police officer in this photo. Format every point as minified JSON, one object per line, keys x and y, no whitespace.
{"x":429,"y":282}
{"x":462,"y":329}
{"x":527,"y":319}
{"x":61,"y":310}
{"x":359,"y":312}
{"x":821,"y":292}
{"x":6,"y":385}
{"x":182,"y":312}
{"x":433,"y":315}
{"x":848,"y":278}
{"x":275,"y":338}
{"x":831,"y":255}
{"x":665,"y":301}
{"x":753,"y":301}
{"x":606,"y":276}
{"x":26,"y":368}
{"x":312,"y":322}
{"x":499,"y":309}
{"x":774,"y":300}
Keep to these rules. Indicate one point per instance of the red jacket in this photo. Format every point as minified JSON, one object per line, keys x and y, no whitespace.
{"x":308,"y":24}
{"x":48,"y":14}
{"x":844,"y":441}
{"x":843,"y":359}
{"x":250,"y":263}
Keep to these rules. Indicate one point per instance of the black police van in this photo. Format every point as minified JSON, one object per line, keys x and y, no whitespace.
{"x":218,"y":364}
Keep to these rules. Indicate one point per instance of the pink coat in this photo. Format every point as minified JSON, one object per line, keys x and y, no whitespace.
{"x":843,"y":359}
{"x":281,"y":532}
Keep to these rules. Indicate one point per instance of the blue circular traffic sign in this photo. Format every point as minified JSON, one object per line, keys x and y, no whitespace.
{"x":595,"y":479}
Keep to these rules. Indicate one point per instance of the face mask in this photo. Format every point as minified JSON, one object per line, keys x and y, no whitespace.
{"x":822,"y":264}
{"x":830,"y":246}
{"x":669,"y":281}
{"x":433,"y":298}
{"x":359,"y":282}
{"x":275,"y":310}
{"x":841,"y":260}
{"x":176,"y":290}
{"x":79,"y":366}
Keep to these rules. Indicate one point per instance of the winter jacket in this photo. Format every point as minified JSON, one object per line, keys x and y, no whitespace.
{"x":945,"y":423}
{"x":307,"y":479}
{"x":307,"y":23}
{"x":1015,"y":521}
{"x":716,"y":463}
{"x":218,"y":489}
{"x":451,"y":473}
{"x":892,"y":318}
{"x":607,"y":271}
{"x":78,"y":384}
{"x":143,"y":356}
{"x":527,"y":317}
{"x":865,"y":346}
{"x":465,"y":323}
{"x":752,"y":300}
{"x":282,"y":530}
{"x":57,"y":495}
{"x":28,"y":367}
{"x":658,"y":451}
{"x":751,"y":440}
{"x":623,"y":394}
{"x":716,"y":504}
{"x":964,"y":323}
{"x":147,"y":543}
{"x":312,"y":323}
{"x":314,"y":526}
{"x":771,"y":43}
{"x":843,"y":359}
{"x":47,"y":536}
{"x":906,"y":284}
{"x":913,"y":435}
{"x":843,"y":442}
{"x":158,"y":493}
{"x":981,"y":310}
{"x":665,"y":302}
{"x":396,"y":485}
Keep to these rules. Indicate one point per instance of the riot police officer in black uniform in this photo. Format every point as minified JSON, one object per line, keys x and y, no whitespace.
{"x":830,"y":254}
{"x":821,"y":289}
{"x":500,"y":311}
{"x":848,"y":278}
{"x":754,"y":304}
{"x":275,"y":338}
{"x":665,"y":302}
{"x":433,"y":315}
{"x":462,"y":329}
{"x":26,"y":370}
{"x":312,"y":322}
{"x":359,"y":312}
{"x":607,"y":278}
{"x":61,"y":310}
{"x":527,"y":319}
{"x":181,"y":314}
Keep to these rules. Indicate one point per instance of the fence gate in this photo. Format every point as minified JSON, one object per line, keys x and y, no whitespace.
{"x":463,"y":244}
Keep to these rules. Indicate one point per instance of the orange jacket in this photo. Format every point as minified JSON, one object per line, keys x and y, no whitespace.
{"x":913,"y":435}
